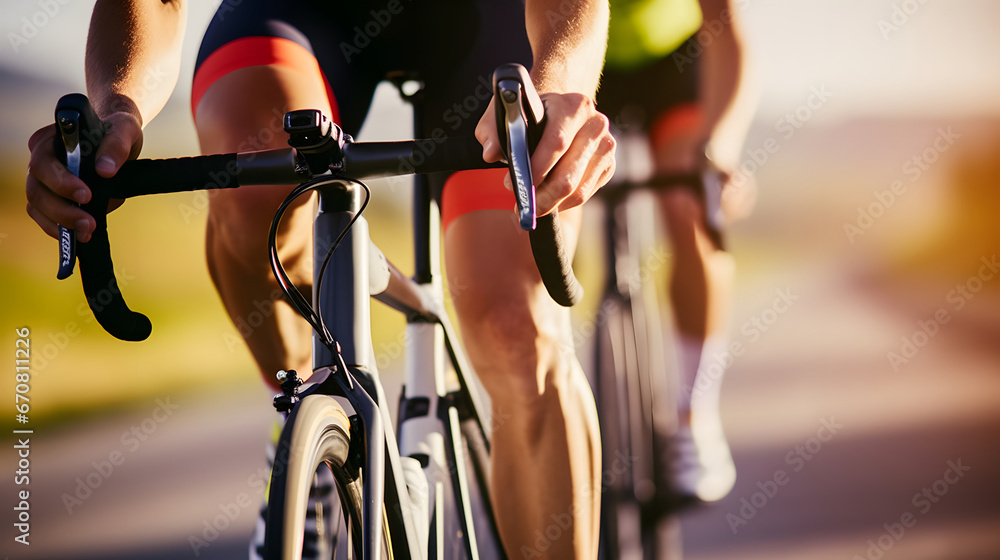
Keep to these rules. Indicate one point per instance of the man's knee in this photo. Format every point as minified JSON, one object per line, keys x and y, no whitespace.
{"x":681,"y":205}
{"x":516,"y":354}
{"x":684,"y":214}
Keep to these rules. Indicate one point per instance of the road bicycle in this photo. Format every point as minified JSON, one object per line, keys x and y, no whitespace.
{"x":633,"y":375}
{"x":339,"y":418}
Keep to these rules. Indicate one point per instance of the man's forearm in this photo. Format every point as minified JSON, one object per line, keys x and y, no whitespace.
{"x":133,"y":55}
{"x":568,"y":39}
{"x":728,"y":95}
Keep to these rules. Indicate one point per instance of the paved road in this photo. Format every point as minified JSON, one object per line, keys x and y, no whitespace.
{"x":844,"y":450}
{"x":874,"y":463}
{"x":853,"y":445}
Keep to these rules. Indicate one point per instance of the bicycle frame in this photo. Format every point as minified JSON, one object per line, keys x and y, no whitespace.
{"x":428,"y":410}
{"x":430,"y":417}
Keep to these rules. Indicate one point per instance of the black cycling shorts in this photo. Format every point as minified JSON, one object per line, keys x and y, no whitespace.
{"x":658,"y":96}
{"x":452,"y":46}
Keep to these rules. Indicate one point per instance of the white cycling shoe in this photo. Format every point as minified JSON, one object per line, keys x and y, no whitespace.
{"x":701,"y":465}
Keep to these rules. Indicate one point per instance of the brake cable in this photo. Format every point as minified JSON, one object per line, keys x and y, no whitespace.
{"x":294,"y":295}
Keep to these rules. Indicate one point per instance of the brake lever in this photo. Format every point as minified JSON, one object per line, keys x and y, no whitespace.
{"x":68,"y":124}
{"x":518,"y":152}
{"x":520,"y":124}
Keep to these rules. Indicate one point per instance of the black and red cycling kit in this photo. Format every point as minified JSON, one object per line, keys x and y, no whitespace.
{"x":452,"y":46}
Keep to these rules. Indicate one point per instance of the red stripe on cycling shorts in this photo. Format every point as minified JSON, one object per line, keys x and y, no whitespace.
{"x":477,"y":189}
{"x":257,"y":51}
{"x":678,"y":122}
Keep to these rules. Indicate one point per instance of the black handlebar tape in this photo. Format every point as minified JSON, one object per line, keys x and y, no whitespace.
{"x":96,"y":267}
{"x":449,"y":154}
{"x":217,"y":171}
{"x":156,"y":176}
{"x":554,"y":261}
{"x":369,"y":160}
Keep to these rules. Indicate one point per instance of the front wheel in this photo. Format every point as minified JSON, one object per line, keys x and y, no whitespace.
{"x":316,"y":436}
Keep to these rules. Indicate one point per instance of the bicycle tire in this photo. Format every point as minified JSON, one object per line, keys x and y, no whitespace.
{"x":620,"y":511}
{"x":634,"y":391}
{"x":317,"y":433}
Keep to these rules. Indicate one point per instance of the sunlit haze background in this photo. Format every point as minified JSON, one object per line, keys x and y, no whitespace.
{"x":870,"y":268}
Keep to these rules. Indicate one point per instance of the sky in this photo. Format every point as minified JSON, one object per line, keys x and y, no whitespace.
{"x":879,"y":57}
{"x":887,"y":57}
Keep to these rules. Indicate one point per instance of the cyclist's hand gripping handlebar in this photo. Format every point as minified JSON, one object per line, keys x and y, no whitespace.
{"x":79,"y":134}
{"x":520,"y":121}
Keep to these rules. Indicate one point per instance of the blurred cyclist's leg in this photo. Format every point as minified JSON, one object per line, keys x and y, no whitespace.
{"x":701,"y":284}
{"x":700,"y":288}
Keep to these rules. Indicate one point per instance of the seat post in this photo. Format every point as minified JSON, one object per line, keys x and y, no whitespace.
{"x":426,"y":214}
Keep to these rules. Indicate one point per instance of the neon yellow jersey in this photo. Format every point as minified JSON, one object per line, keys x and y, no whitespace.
{"x":645,"y":30}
